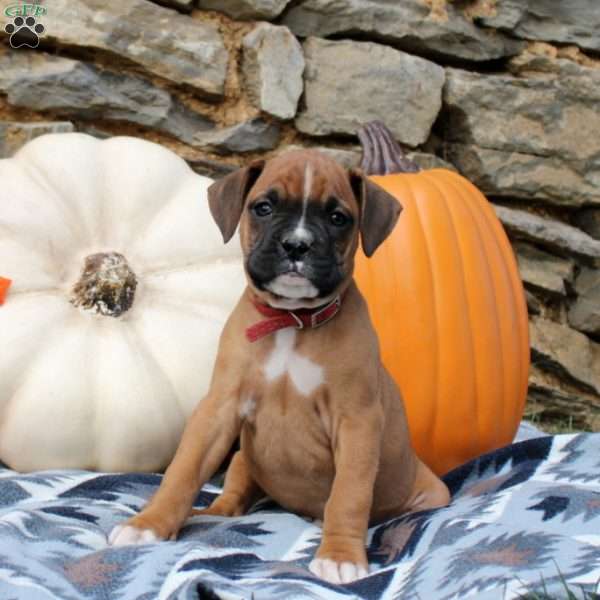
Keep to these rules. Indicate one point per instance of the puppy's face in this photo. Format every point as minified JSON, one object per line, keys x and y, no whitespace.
{"x":299,"y":230}
{"x":300,"y":215}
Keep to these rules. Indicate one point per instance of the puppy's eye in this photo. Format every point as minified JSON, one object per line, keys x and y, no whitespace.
{"x":338,"y":218}
{"x":262,"y":209}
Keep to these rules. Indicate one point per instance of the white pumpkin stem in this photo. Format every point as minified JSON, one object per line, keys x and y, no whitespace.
{"x":382,"y":155}
{"x":106,"y":286}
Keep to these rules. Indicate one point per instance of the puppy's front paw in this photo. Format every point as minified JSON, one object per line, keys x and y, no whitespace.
{"x":127,"y":535}
{"x":145,"y":528}
{"x":337,"y":572}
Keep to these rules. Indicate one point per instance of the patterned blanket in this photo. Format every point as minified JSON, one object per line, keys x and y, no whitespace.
{"x":522,"y":518}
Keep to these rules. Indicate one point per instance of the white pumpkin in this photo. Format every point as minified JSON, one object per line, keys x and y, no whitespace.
{"x":105,"y":376}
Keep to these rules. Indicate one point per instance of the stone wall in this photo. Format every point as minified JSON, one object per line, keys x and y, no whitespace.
{"x":505,"y":91}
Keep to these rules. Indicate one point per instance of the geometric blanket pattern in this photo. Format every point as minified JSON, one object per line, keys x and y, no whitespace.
{"x":523,"y":518}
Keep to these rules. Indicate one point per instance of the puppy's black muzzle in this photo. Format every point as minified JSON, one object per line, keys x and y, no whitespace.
{"x":289,"y":245}
{"x":295,"y":247}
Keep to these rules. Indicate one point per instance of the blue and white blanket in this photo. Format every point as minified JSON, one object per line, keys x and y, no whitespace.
{"x":522,"y":518}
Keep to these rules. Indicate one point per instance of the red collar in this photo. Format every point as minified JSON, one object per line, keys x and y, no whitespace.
{"x":280,"y":318}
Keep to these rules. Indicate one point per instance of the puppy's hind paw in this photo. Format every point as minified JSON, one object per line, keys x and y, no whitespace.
{"x":225,"y":505}
{"x":127,"y":535}
{"x":334,"y":572}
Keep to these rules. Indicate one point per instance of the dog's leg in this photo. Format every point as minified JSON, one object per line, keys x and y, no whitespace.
{"x":208,"y":436}
{"x":429,"y":491}
{"x":341,"y":556}
{"x":239,"y":492}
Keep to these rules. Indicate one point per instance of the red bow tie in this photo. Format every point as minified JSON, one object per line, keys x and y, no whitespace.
{"x":280,"y":318}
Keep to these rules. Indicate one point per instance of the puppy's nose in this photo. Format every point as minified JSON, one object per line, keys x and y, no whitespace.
{"x":296,"y":246}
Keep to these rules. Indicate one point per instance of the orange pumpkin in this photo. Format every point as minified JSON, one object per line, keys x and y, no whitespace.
{"x":448,"y":304}
{"x":4,"y":285}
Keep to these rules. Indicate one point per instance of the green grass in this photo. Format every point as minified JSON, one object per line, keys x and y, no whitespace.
{"x":555,"y":426}
{"x":568,"y":593}
{"x":559,"y":423}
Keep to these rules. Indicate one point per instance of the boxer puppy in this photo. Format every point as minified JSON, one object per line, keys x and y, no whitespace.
{"x":298,"y":375}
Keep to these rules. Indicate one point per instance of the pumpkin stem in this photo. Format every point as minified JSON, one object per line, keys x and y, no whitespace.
{"x":382,"y":155}
{"x":106,"y":286}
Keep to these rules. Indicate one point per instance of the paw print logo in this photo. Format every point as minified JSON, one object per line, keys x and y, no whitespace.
{"x":24,"y":32}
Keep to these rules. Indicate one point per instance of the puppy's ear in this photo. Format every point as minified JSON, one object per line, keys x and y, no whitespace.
{"x":379,"y":211}
{"x":227,"y":195}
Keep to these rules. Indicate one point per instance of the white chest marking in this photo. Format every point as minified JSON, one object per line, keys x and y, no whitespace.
{"x":306,"y":375}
